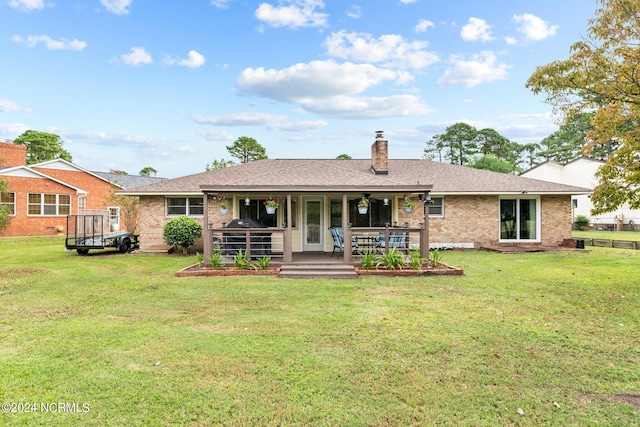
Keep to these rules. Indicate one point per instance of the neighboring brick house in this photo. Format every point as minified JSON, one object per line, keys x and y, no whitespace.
{"x":466,"y":207}
{"x":40,"y":196}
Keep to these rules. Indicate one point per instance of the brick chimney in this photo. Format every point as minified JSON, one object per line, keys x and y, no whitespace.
{"x":380,"y":155}
{"x":12,"y":154}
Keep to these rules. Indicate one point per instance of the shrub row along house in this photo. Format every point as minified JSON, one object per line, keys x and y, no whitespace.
{"x":456,"y":206}
{"x":40,"y":196}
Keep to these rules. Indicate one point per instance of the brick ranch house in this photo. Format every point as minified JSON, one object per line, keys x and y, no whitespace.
{"x":40,"y":196}
{"x":466,"y":207}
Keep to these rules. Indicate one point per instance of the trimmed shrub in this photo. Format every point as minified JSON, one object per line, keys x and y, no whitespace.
{"x":182,"y":231}
{"x":581,"y":222}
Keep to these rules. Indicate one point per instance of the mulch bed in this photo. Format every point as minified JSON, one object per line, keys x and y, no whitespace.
{"x":195,"y":271}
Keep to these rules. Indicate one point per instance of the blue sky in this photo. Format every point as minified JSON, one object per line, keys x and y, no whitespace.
{"x":168,"y":84}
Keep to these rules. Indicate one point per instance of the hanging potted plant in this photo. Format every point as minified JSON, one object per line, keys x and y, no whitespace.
{"x":224,"y":207}
{"x":409,"y":206}
{"x":363,"y":206}
{"x":271,"y":205}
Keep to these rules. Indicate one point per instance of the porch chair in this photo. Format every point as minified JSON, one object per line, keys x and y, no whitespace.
{"x":337,"y":234}
{"x":397,"y":239}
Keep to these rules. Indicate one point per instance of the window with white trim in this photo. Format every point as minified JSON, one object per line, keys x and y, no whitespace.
{"x":436,"y":207}
{"x":9,"y":201}
{"x":189,"y":206}
{"x":48,"y":204}
{"x":82,"y":205}
{"x":114,"y":218}
{"x":519,"y":219}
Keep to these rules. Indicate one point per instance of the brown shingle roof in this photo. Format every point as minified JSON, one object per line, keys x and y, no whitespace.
{"x":353,"y":175}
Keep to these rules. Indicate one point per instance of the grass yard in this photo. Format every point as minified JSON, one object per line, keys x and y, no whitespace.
{"x":520,"y":340}
{"x":609,"y":235}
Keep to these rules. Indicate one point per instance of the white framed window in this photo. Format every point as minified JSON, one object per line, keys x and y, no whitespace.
{"x":114,"y":218}
{"x":520,"y":219}
{"x":436,"y":207}
{"x":189,"y":206}
{"x":82,"y":205}
{"x":48,"y":204}
{"x":9,"y":201}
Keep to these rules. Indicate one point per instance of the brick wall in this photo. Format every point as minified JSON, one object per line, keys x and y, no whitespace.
{"x":467,"y":219}
{"x":12,"y":154}
{"x":98,"y":190}
{"x":152,"y":221}
{"x":24,"y":225}
{"x":475,"y":219}
{"x":557,"y":219}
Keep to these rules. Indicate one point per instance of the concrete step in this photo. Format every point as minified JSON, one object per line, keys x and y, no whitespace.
{"x":318,"y":271}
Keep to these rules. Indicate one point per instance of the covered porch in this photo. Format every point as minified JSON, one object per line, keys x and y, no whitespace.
{"x":303,"y":228}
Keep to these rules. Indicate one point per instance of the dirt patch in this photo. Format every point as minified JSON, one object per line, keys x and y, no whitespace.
{"x":24,"y":272}
{"x":627,"y":398}
{"x":632,"y":399}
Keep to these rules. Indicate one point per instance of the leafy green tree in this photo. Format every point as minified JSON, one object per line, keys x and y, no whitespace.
{"x":219,"y":164}
{"x":247,"y":150}
{"x":490,"y":142}
{"x":528,"y":154}
{"x":343,"y":156}
{"x":457,"y":144}
{"x":601,"y":75}
{"x":42,"y":147}
{"x":492,"y":163}
{"x":147,"y":171}
{"x":182,"y":231}
{"x":566,"y":143}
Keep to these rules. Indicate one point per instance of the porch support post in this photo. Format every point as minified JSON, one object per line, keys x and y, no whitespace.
{"x":287,"y":255}
{"x":424,"y":232}
{"x":207,"y":235}
{"x":346,"y":229}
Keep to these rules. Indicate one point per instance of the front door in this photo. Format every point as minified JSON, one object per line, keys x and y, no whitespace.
{"x":313,"y":235}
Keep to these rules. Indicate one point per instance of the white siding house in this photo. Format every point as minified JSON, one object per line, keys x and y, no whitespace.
{"x":581,"y":173}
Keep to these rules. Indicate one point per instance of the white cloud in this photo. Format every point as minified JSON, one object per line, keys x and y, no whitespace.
{"x":391,"y":50}
{"x":51,"y":44}
{"x":119,"y":7}
{"x":533,"y":27}
{"x":7,"y":106}
{"x":511,"y":40}
{"x":423,"y":25}
{"x":195,"y":60}
{"x":481,"y":68}
{"x":408,"y":1}
{"x":27,"y":5}
{"x":300,"y":126}
{"x":137,"y":56}
{"x":299,"y":13}
{"x":476,"y":29}
{"x":354,"y":12}
{"x":326,"y":88}
{"x":315,"y":79}
{"x":222,"y":4}
{"x":14,"y":129}
{"x":216,"y":135}
{"x":275,"y":122}
{"x":360,"y":108}
{"x":241,"y":119}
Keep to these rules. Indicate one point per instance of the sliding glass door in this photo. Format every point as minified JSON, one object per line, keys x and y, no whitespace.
{"x":519,"y":219}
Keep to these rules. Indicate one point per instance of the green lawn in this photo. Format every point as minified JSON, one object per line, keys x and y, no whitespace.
{"x":551,"y":335}
{"x":610,"y":235}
